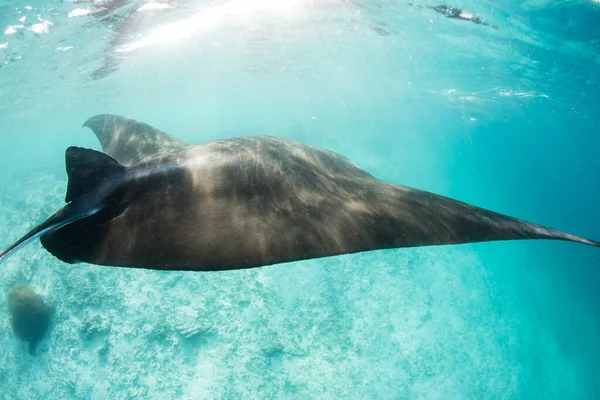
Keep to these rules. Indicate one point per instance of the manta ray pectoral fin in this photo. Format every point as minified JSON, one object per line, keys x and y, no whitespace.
{"x":418,"y":218}
{"x":520,"y":229}
{"x":92,"y":190}
{"x":474,"y":224}
{"x":130,"y":141}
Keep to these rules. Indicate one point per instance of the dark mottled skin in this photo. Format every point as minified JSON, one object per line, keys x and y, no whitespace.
{"x":254,"y":201}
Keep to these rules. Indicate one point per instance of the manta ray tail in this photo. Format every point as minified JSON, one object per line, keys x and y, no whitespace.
{"x":87,"y":170}
{"x":61,"y":218}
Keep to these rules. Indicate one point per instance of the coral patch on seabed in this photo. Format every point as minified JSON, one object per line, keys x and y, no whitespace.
{"x":30,"y":316}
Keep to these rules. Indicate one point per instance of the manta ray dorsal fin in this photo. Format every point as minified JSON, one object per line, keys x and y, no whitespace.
{"x":129,"y":141}
{"x":87,"y":169}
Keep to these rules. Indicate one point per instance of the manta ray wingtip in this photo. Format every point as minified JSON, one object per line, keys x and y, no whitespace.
{"x":93,"y":121}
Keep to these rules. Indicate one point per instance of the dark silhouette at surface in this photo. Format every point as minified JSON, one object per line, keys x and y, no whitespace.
{"x":456,"y":13}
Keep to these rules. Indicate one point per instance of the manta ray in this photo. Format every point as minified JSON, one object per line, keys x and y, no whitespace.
{"x":151,"y":201}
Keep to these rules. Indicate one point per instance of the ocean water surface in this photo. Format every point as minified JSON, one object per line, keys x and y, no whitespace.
{"x":502,"y":114}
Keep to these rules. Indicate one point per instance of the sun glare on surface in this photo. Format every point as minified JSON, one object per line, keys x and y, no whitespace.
{"x":209,"y":19}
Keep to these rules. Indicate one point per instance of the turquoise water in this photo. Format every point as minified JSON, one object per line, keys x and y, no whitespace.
{"x":504,"y":118}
